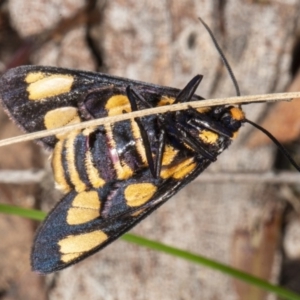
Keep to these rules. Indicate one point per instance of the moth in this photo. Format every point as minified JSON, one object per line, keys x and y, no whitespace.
{"x":112,"y":175}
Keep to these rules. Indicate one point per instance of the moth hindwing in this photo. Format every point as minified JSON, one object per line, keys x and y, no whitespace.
{"x":112,"y":175}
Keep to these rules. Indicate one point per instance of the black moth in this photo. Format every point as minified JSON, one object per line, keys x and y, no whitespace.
{"x":112,"y":175}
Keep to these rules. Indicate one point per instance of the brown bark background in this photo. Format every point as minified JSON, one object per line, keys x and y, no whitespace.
{"x":161,"y":42}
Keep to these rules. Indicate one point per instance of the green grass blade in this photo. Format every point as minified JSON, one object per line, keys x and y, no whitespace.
{"x":195,"y":258}
{"x":23,"y":212}
{"x":198,"y":259}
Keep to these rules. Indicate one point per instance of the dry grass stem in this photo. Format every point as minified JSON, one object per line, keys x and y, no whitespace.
{"x":153,"y":111}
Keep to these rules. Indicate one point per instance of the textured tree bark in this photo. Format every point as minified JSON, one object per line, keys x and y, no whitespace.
{"x":163,"y":42}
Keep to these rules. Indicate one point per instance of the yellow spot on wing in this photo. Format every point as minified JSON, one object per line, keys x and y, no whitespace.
{"x":69,"y":257}
{"x":85,"y":207}
{"x":57,"y":167}
{"x":165,"y":101}
{"x":61,"y":117}
{"x":208,"y":137}
{"x":89,"y":199}
{"x":117,"y":104}
{"x":139,"y":193}
{"x":34,"y":76}
{"x":48,"y":85}
{"x":74,"y":245}
{"x":78,"y":216}
{"x":169,"y":155}
{"x":180,"y":170}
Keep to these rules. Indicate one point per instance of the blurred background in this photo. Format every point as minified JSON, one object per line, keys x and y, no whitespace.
{"x":249,"y":222}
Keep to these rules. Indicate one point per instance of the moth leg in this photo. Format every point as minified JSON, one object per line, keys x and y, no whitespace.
{"x":188,"y":91}
{"x":185,"y":137}
{"x":133,"y":96}
{"x":161,"y":148}
{"x":207,"y":122}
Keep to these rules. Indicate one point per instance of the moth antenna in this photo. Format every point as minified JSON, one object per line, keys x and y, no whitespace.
{"x":276,"y":142}
{"x":238,"y":93}
{"x":223,"y":57}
